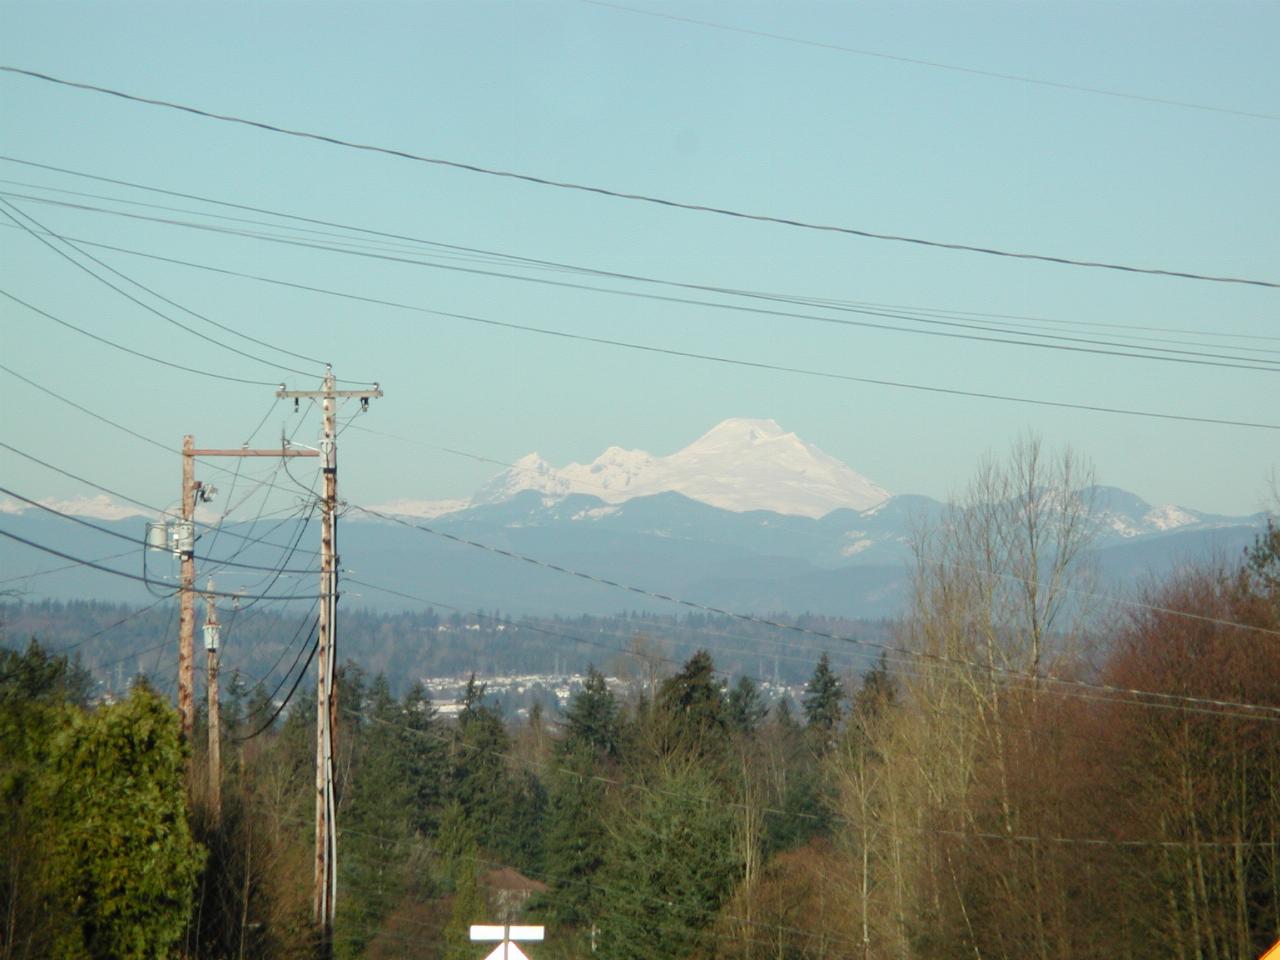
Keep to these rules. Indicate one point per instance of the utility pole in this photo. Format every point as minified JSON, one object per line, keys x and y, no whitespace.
{"x":183,"y":538}
{"x":186,"y":548}
{"x":326,"y":860}
{"x":212,"y":636}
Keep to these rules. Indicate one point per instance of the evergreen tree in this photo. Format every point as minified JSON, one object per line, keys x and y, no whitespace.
{"x":822,"y":698}
{"x":467,"y":907}
{"x":692,"y":706}
{"x":423,"y":759}
{"x":122,"y":863}
{"x":34,"y":692}
{"x":745,"y":707}
{"x":670,"y":865}
{"x":378,"y":820}
{"x":592,"y":716}
{"x":477,"y":768}
{"x":798,"y":803}
{"x":575,"y":838}
{"x":876,"y":694}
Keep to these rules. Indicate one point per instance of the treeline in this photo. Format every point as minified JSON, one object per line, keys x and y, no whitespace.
{"x":1002,"y":783}
{"x":117,"y":643}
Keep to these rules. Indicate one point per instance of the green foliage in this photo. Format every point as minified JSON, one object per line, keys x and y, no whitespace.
{"x":377,"y":820}
{"x":691,"y":704}
{"x":575,"y":837}
{"x":669,"y":866}
{"x":122,"y":862}
{"x":477,"y":769}
{"x":745,"y":708}
{"x":592,"y":717}
{"x":1262,"y":563}
{"x":36,"y":677}
{"x":467,"y":907}
{"x":31,"y":699}
{"x":822,"y":700}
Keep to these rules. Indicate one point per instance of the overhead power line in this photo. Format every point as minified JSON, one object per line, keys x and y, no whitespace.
{"x":266,"y":725}
{"x":131,"y":351}
{"x":142,"y":542}
{"x":731,"y":361}
{"x":668,"y":351}
{"x":1045,"y":341}
{"x":139,"y":503}
{"x":145,"y":306}
{"x":140,"y":579}
{"x":935,"y":64}
{"x":636,"y":197}
{"x":492,"y":256}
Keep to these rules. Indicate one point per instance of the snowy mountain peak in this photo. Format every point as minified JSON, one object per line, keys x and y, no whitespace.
{"x":740,"y":464}
{"x":740,"y":430}
{"x":530,"y":472}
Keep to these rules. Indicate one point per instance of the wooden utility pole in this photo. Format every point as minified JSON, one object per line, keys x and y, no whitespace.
{"x":326,"y":860}
{"x":186,"y":548}
{"x":184,"y":544}
{"x":212,"y":636}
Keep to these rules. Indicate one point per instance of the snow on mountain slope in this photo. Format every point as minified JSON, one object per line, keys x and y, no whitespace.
{"x":98,"y":507}
{"x":738,"y":465}
{"x":423,"y":509}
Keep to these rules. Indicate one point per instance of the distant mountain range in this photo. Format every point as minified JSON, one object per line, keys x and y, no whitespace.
{"x":747,"y":518}
{"x":738,"y":465}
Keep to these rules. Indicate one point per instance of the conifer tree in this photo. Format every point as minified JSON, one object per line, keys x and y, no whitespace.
{"x":592,"y":716}
{"x":745,"y":707}
{"x":692,"y":704}
{"x":822,"y":698}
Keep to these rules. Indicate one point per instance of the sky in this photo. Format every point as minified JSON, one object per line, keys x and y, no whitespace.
{"x":825,"y":127}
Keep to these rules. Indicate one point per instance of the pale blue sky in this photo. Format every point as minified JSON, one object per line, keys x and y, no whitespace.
{"x":573,"y":91}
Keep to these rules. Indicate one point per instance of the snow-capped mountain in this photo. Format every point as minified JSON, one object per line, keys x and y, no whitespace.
{"x":1120,"y":515}
{"x":739,"y":465}
{"x":98,"y":507}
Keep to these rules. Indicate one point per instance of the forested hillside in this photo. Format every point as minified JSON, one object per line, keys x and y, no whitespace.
{"x":116,"y":643}
{"x":998,"y":784}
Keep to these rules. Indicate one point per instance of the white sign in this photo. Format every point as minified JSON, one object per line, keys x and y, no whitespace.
{"x":507,"y":951}
{"x":484,"y":932}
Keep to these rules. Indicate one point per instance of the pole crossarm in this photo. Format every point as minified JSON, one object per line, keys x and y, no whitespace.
{"x":282,"y":393}
{"x":280,"y":452}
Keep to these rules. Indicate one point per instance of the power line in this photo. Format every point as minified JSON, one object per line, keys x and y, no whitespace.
{"x":916,"y":61}
{"x":142,"y":542}
{"x":1067,"y":682}
{"x":131,"y":576}
{"x":211,"y":464}
{"x":284,"y":703}
{"x":68,"y":566}
{"x":730,"y":361}
{"x":1167,"y":354}
{"x":118,"y":494}
{"x":284,"y":650}
{"x":150,"y":309}
{"x":494,"y":256}
{"x":131,"y":351}
{"x":637,"y":197}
